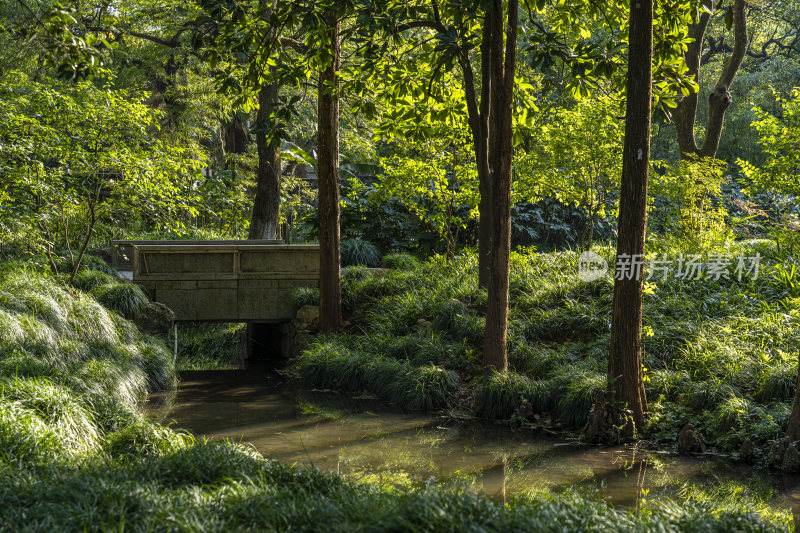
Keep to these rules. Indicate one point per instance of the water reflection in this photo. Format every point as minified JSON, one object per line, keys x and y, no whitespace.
{"x":338,"y":434}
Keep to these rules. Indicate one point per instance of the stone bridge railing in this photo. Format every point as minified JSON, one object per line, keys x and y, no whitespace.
{"x":225,"y":281}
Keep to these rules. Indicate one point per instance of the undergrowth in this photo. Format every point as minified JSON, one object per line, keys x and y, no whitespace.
{"x":208,"y":346}
{"x":721,"y":354}
{"x":77,"y":455}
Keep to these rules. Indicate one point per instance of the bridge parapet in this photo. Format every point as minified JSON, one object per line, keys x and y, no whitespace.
{"x":225,"y":281}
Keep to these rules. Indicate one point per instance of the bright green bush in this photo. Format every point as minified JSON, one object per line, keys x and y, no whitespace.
{"x":400,"y":261}
{"x":127,"y":299}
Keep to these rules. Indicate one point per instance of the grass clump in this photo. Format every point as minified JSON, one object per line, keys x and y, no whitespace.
{"x":70,"y":370}
{"x":127,"y":299}
{"x":55,"y":407}
{"x":338,"y":366}
{"x":400,"y":261}
{"x":305,"y":296}
{"x":87,"y":280}
{"x":504,"y":394}
{"x":25,"y":438}
{"x":778,"y":383}
{"x":357,"y":251}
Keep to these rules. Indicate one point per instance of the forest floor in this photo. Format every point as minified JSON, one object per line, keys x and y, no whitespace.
{"x":77,"y":454}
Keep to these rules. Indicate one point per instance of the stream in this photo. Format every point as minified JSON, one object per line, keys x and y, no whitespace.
{"x":364,"y":438}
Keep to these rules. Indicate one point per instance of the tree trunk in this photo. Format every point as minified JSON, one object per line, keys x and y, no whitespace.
{"x":479,"y":127}
{"x":235,"y":134}
{"x":482,"y":155}
{"x":625,"y":351}
{"x":499,"y":156}
{"x":786,"y":450}
{"x":92,"y":205}
{"x":266,"y":205}
{"x":793,"y":429}
{"x":720,"y":98}
{"x":330,"y":297}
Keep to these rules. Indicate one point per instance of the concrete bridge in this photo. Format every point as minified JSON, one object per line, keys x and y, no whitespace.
{"x":221,"y":281}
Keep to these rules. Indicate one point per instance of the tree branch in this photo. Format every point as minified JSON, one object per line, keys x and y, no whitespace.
{"x":720,"y":97}
{"x":173,"y":42}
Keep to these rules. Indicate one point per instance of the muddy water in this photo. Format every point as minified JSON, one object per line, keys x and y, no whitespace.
{"x":362,"y":438}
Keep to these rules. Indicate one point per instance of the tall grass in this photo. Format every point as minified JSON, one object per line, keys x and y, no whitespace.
{"x":326,"y":366}
{"x":357,"y":251}
{"x":222,"y":487}
{"x":70,"y":369}
{"x":127,"y":299}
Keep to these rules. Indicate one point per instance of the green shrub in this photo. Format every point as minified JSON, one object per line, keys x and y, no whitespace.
{"x":357,"y":251}
{"x":88,"y":280}
{"x":778,"y":383}
{"x":400,"y":261}
{"x":127,"y":299}
{"x":305,"y":296}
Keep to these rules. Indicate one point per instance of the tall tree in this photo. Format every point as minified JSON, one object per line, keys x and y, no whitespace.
{"x":241,"y":41}
{"x":625,"y":352}
{"x":557,"y":33}
{"x":625,"y":373}
{"x":489,"y":106}
{"x":720,"y":97}
{"x":330,"y":296}
{"x":266,"y":204}
{"x":502,"y":64}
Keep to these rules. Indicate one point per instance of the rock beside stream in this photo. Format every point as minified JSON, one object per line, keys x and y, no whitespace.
{"x":690,"y":442}
{"x":307,"y":318}
{"x":156,"y":319}
{"x":747,"y":452}
{"x":301,"y":330}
